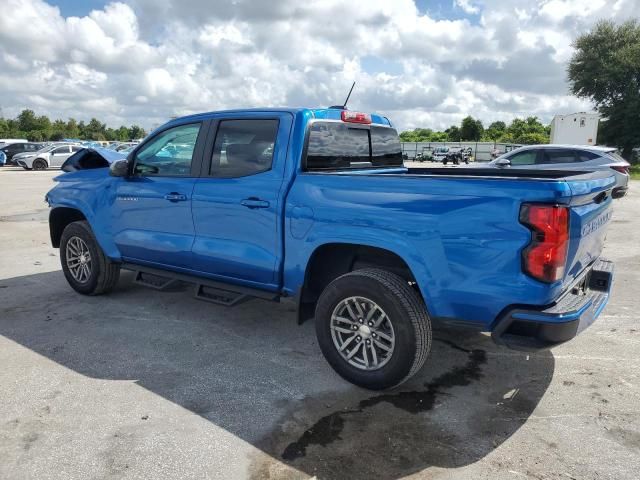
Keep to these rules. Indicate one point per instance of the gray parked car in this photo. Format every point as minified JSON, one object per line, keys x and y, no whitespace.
{"x":569,"y":157}
{"x":51,"y":156}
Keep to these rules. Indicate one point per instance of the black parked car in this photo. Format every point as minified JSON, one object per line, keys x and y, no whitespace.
{"x":15,"y":148}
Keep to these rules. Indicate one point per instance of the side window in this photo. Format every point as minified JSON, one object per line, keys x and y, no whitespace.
{"x":75,"y":148}
{"x":528,"y":157}
{"x":60,"y":150}
{"x":584,"y":156}
{"x":243,"y":147}
{"x":559,"y":156}
{"x":168,"y":154}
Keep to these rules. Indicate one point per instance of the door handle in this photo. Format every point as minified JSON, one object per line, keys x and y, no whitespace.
{"x":175,"y":197}
{"x":254,"y":202}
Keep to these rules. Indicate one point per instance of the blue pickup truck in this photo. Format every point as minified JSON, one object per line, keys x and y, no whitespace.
{"x":315,"y":206}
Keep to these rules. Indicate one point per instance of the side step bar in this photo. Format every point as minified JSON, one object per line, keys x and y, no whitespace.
{"x":205,"y":289}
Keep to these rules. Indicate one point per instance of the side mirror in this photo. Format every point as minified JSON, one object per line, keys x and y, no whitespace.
{"x":503,"y":162}
{"x":119,"y":168}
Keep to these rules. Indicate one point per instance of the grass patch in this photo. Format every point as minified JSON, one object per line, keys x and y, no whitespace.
{"x":634,"y":171}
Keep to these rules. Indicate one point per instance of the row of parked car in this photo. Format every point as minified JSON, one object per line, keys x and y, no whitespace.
{"x":40,"y":156}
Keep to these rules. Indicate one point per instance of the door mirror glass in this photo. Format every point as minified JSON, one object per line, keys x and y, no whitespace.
{"x":119,"y":168}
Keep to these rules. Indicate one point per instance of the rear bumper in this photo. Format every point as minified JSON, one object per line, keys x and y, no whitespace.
{"x":535,"y":328}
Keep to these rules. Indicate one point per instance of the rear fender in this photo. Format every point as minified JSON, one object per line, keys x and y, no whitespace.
{"x":297,"y":259}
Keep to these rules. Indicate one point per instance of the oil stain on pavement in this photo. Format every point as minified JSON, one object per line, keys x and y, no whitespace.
{"x":471,"y":402}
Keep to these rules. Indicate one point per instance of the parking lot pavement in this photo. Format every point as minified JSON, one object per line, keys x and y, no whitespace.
{"x":147,"y":384}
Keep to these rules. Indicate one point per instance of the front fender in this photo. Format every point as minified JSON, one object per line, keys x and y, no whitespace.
{"x":88,"y":193}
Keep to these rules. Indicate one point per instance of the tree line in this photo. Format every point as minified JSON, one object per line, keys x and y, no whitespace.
{"x":41,"y":128}
{"x":523,"y":131}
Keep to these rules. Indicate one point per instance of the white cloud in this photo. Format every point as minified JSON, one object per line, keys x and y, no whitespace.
{"x":468,"y":6}
{"x":147,"y":60}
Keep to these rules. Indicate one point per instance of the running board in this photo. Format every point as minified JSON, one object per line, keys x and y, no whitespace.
{"x":151,"y":280}
{"x":220,"y":296}
{"x":208,"y":290}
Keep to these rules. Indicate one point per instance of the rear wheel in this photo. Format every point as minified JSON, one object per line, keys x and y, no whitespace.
{"x":85,"y":266}
{"x":373,"y":328}
{"x":39,"y":164}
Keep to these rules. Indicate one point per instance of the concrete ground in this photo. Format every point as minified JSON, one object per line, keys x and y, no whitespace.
{"x":146,"y":384}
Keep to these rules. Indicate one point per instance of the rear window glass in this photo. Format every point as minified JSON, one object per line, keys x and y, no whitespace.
{"x":336,"y":145}
{"x":616,"y":156}
{"x":385,"y":147}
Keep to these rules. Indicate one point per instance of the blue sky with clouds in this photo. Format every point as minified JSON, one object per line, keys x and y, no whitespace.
{"x":422,"y":63}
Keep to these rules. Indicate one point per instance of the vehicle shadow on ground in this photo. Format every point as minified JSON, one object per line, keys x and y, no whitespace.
{"x":252,"y":371}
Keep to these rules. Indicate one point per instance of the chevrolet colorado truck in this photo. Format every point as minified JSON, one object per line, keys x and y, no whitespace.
{"x":315,"y":206}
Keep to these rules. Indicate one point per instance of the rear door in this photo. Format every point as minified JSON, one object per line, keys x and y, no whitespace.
{"x":151,"y":213}
{"x":237,"y":202}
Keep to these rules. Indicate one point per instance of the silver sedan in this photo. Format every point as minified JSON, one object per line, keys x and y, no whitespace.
{"x":51,"y":156}
{"x":569,"y":157}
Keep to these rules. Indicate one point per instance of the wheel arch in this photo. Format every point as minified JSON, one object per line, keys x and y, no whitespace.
{"x":328,"y":261}
{"x":59,"y":218}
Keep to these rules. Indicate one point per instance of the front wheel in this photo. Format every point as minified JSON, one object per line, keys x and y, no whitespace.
{"x":87,"y":269}
{"x":39,"y":164}
{"x":373,"y":328}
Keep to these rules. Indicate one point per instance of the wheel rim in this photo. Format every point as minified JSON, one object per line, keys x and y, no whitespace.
{"x":362,"y":333}
{"x":78,"y":259}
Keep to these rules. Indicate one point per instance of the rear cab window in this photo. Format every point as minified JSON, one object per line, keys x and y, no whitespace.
{"x":344,"y":146}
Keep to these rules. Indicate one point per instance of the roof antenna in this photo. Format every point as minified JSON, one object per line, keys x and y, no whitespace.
{"x":344,"y":107}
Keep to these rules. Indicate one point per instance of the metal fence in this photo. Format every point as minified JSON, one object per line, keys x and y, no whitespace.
{"x":481,"y":151}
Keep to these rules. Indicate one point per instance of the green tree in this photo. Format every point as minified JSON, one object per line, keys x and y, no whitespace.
{"x":525,"y":131}
{"x":27,"y":120}
{"x":471,"y":129}
{"x":4,"y":128}
{"x":495,"y":130}
{"x":136,"y":132}
{"x":605,"y":68}
{"x":122,"y":133}
{"x":72,"y":130}
{"x":453,"y":133}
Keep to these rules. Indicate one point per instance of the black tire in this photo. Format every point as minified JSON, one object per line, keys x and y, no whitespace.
{"x":104,"y":273}
{"x":39,"y":164}
{"x":406,"y":311}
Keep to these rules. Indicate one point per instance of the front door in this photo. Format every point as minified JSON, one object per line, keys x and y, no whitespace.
{"x":151,"y":214}
{"x":59,"y":155}
{"x":237,"y":202}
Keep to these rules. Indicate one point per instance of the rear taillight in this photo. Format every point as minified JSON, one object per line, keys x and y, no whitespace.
{"x":624,"y":170}
{"x":546,"y":256}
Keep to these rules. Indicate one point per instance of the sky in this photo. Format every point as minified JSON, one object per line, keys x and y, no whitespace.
{"x":421,"y":63}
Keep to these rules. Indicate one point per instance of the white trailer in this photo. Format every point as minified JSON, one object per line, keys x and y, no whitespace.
{"x":575,"y":129}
